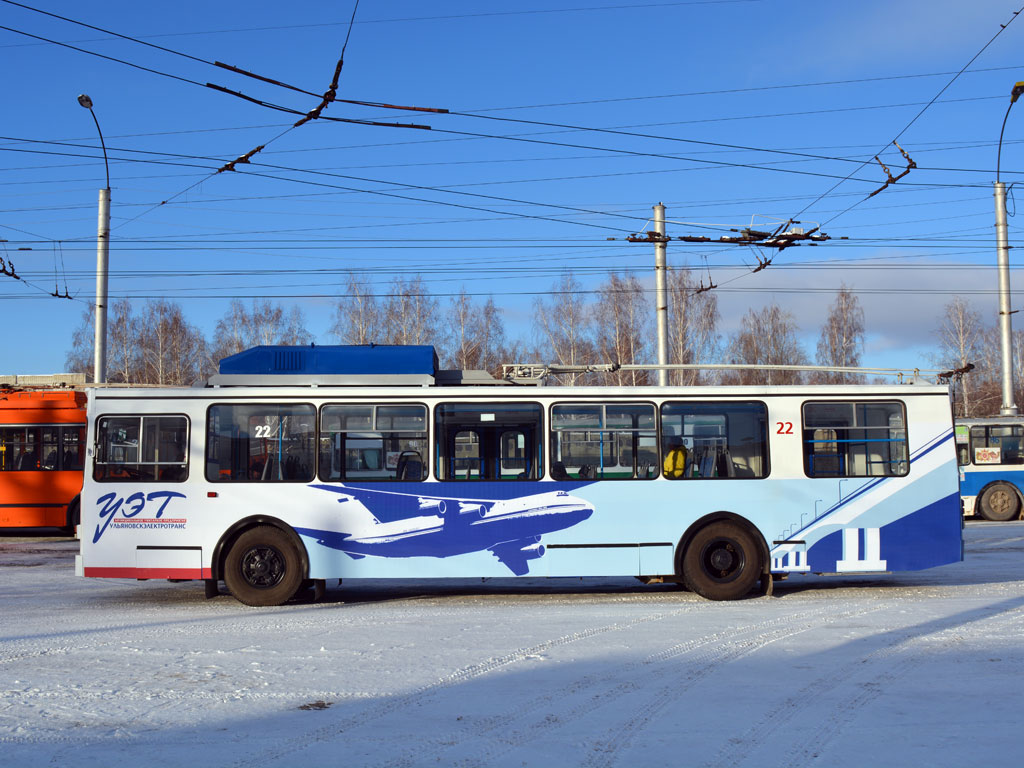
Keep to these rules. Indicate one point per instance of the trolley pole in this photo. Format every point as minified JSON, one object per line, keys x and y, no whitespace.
{"x":660,"y":292}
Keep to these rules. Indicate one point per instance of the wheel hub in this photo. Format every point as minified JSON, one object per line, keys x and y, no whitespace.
{"x":723,"y":559}
{"x":1001,"y":502}
{"x":263,"y":567}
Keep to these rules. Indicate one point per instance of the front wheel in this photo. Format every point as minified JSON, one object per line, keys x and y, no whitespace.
{"x":73,"y":517}
{"x":999,"y":502}
{"x":722,"y":562}
{"x":263,"y":567}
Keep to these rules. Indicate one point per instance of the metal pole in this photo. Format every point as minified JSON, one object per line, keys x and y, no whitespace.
{"x":102,"y":259}
{"x":660,"y":292}
{"x":1008,"y":407}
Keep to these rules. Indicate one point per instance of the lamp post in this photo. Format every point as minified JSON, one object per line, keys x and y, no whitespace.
{"x":102,"y":259}
{"x":1008,"y":407}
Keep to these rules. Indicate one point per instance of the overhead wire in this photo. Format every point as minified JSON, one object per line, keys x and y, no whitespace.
{"x":1002,"y":28}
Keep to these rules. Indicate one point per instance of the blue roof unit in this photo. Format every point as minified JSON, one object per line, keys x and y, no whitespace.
{"x":351,"y":360}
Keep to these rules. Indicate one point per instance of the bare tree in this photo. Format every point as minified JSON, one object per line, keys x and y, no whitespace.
{"x":173,"y":352}
{"x":123,"y":355}
{"x":80,"y":358}
{"x":475,"y":335}
{"x":409,"y":313}
{"x":984,"y":382}
{"x":1018,"y":370}
{"x":692,"y":327}
{"x":842,"y":339}
{"x":766,"y":337}
{"x":622,"y":329}
{"x":358,"y":317}
{"x":562,"y":329}
{"x":265,"y":324}
{"x":960,"y":335}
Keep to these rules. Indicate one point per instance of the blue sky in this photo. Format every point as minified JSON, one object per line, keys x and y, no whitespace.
{"x":490,"y":200}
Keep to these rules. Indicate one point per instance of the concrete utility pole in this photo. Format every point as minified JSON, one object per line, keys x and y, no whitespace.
{"x":660,"y":291}
{"x":1008,"y":407}
{"x":102,"y":260}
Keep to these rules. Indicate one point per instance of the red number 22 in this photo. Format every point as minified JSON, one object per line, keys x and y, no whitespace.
{"x":784,"y":427}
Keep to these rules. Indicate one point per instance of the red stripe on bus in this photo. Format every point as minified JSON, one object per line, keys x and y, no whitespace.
{"x":148,"y":573}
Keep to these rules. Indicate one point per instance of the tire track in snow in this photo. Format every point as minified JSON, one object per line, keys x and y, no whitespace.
{"x":880,"y":680}
{"x":604,"y":752}
{"x":530,"y":719}
{"x":386,"y":707}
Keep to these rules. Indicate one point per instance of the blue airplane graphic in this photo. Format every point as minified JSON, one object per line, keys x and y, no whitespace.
{"x":442,"y":526}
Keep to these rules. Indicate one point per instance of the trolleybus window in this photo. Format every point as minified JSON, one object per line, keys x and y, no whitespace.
{"x":373,"y":442}
{"x":490,"y":441}
{"x":714,"y":440}
{"x":607,"y":441}
{"x":134,"y":448}
{"x":261,"y":443}
{"x":46,"y":447}
{"x":866,"y":439}
{"x":997,"y":444}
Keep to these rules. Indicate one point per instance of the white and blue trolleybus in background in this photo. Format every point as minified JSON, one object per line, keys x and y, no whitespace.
{"x":297,"y":465}
{"x":991,"y":457}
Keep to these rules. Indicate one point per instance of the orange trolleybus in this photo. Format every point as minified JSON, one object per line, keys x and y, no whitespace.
{"x":42,"y":452}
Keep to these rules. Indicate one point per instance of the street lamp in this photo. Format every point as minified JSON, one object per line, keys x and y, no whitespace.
{"x":102,"y":258}
{"x":1008,"y":407}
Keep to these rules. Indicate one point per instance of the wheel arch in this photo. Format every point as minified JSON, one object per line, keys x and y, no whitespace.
{"x":715,"y":517}
{"x":237,"y":529}
{"x":73,"y":513}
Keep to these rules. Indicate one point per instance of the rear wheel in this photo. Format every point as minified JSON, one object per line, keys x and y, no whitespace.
{"x":722,"y":562}
{"x":1000,"y":502}
{"x":263,"y":567}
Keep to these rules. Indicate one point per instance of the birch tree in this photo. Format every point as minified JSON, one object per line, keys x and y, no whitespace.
{"x":766,"y":337}
{"x":409,"y":314}
{"x":986,"y":380}
{"x":842,"y":339}
{"x":123,"y":355}
{"x":265,"y":323}
{"x":562,"y":329}
{"x":622,"y":329}
{"x":173,"y":352}
{"x":358,"y":315}
{"x":475,"y":335}
{"x":960,"y":336}
{"x":692,"y":327}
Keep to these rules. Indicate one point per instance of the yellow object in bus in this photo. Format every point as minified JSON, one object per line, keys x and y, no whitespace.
{"x":675,"y":463}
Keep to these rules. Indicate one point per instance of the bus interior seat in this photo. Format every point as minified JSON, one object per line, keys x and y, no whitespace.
{"x":172,"y":474}
{"x":410,"y":466}
{"x":558,"y":471}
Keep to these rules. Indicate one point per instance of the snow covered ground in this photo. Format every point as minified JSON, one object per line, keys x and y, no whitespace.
{"x":908,"y":669}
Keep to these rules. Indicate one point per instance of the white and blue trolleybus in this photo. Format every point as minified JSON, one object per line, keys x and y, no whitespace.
{"x":296,"y":465}
{"x":991,"y":455}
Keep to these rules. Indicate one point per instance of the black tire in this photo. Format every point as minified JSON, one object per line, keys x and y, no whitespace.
{"x":1000,"y":503}
{"x":74,"y":517}
{"x":263,"y":567}
{"x":722,"y":561}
